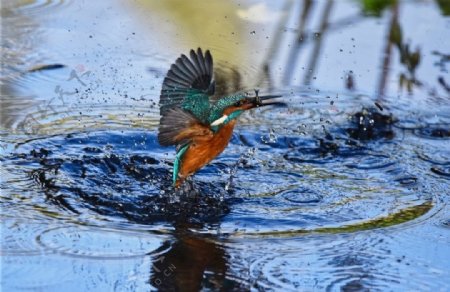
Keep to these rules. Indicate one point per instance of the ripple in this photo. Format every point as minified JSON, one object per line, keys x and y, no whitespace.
{"x":434,"y":131}
{"x":98,"y":243}
{"x":407,"y":180}
{"x":339,"y":262}
{"x":442,"y":171}
{"x":20,"y":34}
{"x":17,"y":237}
{"x":399,"y":217}
{"x":51,"y":120}
{"x":360,"y":261}
{"x":308,"y":155}
{"x":436,"y":154}
{"x":446,"y":223}
{"x":39,"y":7}
{"x":301,"y":196}
{"x":409,"y":123}
{"x":368,"y":161}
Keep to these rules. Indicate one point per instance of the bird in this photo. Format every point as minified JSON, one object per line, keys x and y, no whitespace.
{"x":194,"y":118}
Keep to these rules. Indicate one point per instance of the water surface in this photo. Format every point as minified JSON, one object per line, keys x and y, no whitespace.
{"x":346,"y":188}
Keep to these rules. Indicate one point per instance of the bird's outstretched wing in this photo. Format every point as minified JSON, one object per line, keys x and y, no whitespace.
{"x":178,"y":127}
{"x":184,"y":101}
{"x":188,"y":83}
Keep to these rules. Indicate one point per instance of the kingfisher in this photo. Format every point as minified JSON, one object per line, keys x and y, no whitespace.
{"x":194,"y":118}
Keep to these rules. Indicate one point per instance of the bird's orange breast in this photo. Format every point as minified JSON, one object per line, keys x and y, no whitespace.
{"x":203,"y":150}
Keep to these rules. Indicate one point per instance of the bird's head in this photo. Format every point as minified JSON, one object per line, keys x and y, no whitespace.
{"x":233,"y":106}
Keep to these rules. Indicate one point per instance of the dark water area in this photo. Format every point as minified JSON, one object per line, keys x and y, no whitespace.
{"x":344,"y":188}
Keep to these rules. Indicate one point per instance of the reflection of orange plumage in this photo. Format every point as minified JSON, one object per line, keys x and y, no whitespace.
{"x":193,"y":118}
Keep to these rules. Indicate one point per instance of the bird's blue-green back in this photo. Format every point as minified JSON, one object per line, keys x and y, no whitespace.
{"x":198,"y":104}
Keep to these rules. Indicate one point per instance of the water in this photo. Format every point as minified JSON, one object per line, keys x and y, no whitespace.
{"x":346,"y":188}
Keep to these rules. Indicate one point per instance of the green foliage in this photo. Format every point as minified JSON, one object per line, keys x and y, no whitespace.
{"x":444,"y":5}
{"x":408,"y":58}
{"x":376,"y":7}
{"x":396,"y":35}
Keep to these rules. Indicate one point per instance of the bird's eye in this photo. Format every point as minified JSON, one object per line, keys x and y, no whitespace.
{"x":238,"y":103}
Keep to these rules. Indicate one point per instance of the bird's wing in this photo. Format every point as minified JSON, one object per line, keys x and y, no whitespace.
{"x":188,"y":84}
{"x":178,"y":126}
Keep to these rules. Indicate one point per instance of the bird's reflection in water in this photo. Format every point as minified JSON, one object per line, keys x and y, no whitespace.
{"x":191,"y":262}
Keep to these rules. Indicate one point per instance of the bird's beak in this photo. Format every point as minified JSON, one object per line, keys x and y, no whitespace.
{"x":264,"y":100}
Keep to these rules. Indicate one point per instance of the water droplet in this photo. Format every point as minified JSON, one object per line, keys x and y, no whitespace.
{"x":271,"y":138}
{"x":253,"y":32}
